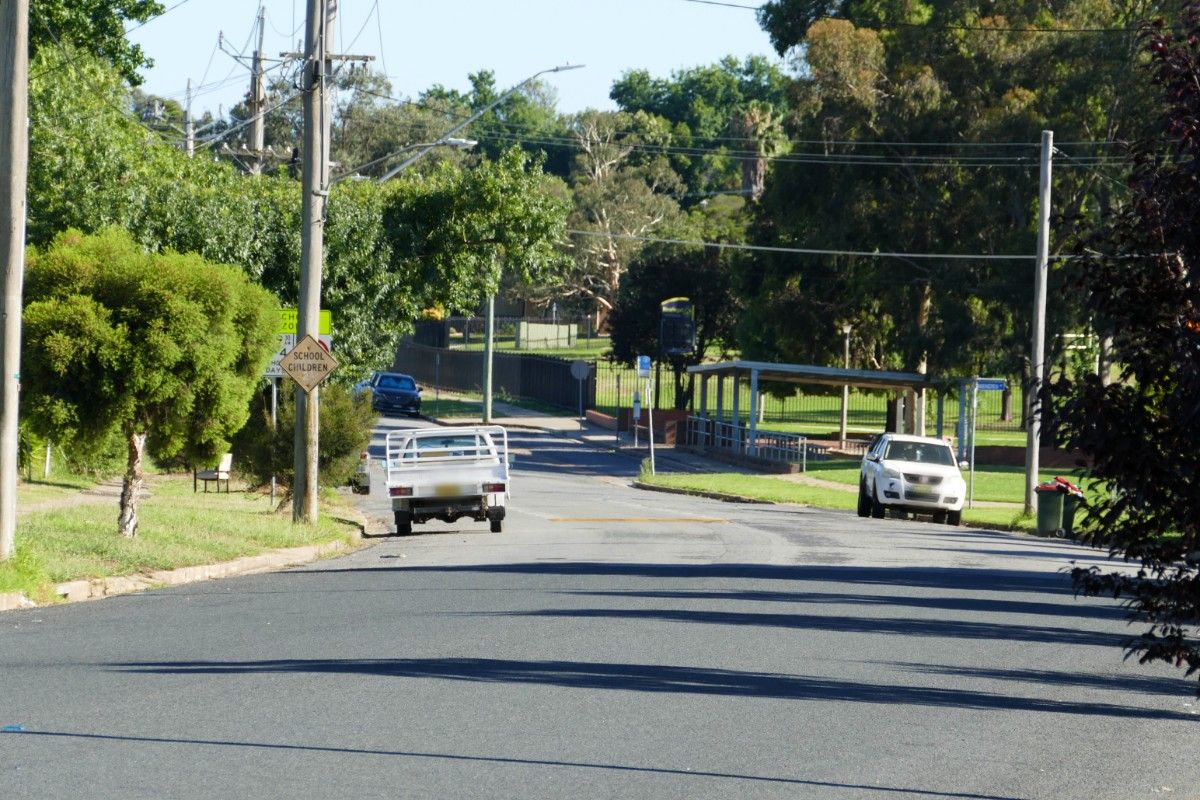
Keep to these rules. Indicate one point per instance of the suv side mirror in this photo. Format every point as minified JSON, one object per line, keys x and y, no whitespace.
{"x":964,"y":465}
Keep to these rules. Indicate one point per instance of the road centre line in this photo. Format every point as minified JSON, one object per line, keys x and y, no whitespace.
{"x":699,"y":520}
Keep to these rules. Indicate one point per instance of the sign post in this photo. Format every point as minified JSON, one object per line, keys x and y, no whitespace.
{"x":974,"y":386}
{"x":580,"y":370}
{"x":637,"y":414}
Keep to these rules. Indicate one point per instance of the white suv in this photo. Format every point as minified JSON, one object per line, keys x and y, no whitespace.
{"x":915,"y":474}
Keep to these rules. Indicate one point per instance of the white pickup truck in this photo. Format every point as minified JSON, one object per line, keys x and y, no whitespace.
{"x":447,"y":474}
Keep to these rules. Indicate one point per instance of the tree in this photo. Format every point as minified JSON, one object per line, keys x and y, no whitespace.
{"x":621,"y":193}
{"x":165,"y":349}
{"x":96,"y":26}
{"x":703,"y":109}
{"x":453,"y":233}
{"x":703,"y":275}
{"x":876,"y":86}
{"x":1135,"y":275}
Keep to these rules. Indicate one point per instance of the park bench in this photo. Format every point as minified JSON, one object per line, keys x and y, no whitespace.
{"x":218,"y":473}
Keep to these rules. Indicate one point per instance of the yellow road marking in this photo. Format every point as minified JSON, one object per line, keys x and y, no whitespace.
{"x":701,"y":520}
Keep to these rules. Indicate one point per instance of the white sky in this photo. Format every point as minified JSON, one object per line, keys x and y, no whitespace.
{"x":424,"y":43}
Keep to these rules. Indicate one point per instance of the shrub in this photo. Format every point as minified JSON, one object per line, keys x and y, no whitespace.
{"x":346,"y":424}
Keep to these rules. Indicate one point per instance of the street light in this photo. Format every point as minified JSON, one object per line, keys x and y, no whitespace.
{"x":489,"y":334}
{"x":846,"y":328}
{"x":503,"y":96}
{"x":445,"y":141}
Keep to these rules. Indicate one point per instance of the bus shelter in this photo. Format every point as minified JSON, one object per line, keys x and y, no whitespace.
{"x":725,"y":430}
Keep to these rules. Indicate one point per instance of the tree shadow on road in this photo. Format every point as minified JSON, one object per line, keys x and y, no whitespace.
{"x":650,"y":678}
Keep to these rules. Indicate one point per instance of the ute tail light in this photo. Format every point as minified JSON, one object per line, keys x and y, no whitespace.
{"x":493,"y":488}
{"x":400,"y":491}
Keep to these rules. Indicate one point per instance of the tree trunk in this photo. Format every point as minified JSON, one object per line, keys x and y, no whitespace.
{"x":131,"y":486}
{"x":1006,"y":404}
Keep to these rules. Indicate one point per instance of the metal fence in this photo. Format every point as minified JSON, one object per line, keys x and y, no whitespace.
{"x":544,"y":379}
{"x":788,"y":448}
{"x":523,"y":333}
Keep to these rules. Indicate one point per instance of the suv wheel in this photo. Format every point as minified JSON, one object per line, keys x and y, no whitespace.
{"x":864,"y":502}
{"x":878,"y":511}
{"x":954,"y":518}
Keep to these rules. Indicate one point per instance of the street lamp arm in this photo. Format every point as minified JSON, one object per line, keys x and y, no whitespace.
{"x":447,"y":141}
{"x":407,"y":162}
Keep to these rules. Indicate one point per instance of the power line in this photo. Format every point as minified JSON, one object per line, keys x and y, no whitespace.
{"x":810,"y":251}
{"x":925,"y":27}
{"x":727,"y":5}
{"x":156,"y":16}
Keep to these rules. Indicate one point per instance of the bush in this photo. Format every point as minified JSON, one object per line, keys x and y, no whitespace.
{"x":346,"y":425}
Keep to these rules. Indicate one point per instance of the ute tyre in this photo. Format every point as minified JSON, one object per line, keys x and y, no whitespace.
{"x":864,"y":502}
{"x":940,"y":517}
{"x":403,"y":525}
{"x":497,"y":526}
{"x":954,"y":518}
{"x":878,"y":510}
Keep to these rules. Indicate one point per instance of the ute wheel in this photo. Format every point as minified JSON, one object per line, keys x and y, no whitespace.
{"x":878,"y":511}
{"x":939,"y":517}
{"x":497,"y":525}
{"x":954,"y":518}
{"x":403,"y":524}
{"x":864,"y":502}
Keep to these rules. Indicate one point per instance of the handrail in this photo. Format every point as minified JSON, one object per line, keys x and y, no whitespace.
{"x":767,"y":445}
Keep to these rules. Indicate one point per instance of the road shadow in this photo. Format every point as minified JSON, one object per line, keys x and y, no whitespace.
{"x":939,"y":603}
{"x":649,"y":678}
{"x":970,"y":580}
{"x":937,"y":628}
{"x":1143,"y":684}
{"x":140,"y":741}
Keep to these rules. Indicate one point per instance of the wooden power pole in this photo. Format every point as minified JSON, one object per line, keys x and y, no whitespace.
{"x":14,"y":164}
{"x":314,"y":185}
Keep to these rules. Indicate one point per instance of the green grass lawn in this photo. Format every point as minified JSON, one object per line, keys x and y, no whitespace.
{"x":178,"y":528}
{"x":776,"y":490}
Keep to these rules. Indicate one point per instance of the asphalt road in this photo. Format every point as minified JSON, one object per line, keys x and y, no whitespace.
{"x":611,"y":643}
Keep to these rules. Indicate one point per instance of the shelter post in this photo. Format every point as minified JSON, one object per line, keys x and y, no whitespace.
{"x":755,"y":402}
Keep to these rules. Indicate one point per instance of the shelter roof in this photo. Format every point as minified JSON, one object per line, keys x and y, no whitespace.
{"x":810,"y":374}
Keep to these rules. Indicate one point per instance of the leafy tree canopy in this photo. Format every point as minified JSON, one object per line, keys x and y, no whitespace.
{"x":165,"y":349}
{"x":95,"y":26}
{"x":1136,"y":279}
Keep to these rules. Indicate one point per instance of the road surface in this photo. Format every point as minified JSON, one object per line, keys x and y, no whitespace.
{"x":611,"y":643}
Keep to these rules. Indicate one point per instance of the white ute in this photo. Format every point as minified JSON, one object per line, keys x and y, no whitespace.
{"x":447,"y":474}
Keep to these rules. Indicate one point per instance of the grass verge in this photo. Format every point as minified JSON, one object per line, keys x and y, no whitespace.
{"x":770,"y":489}
{"x":178,"y":528}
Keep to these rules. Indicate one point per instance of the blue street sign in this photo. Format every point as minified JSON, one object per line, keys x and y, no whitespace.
{"x":643,"y":366}
{"x":990,"y":384}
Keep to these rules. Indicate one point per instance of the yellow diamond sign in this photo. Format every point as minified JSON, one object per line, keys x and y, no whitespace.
{"x":308,"y":363}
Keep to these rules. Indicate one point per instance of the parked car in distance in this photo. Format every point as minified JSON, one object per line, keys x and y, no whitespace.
{"x":914,"y":474}
{"x":393,"y":392}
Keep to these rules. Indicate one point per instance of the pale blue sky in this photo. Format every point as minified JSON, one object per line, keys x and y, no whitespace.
{"x":424,"y":43}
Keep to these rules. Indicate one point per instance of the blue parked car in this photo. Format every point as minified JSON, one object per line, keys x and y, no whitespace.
{"x":393,"y":392}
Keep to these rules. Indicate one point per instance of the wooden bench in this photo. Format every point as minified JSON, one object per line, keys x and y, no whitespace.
{"x":218,"y":474}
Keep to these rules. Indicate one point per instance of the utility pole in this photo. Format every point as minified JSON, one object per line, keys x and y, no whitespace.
{"x":488,"y":349}
{"x":189,"y":127}
{"x":314,"y":180}
{"x":14,"y":167}
{"x":257,"y":101}
{"x":255,"y":152}
{"x":1037,"y":361}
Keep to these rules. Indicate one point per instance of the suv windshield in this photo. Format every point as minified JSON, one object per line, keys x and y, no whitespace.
{"x":920,"y":453}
